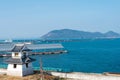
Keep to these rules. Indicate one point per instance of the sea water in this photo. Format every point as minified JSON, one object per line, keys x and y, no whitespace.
{"x":93,"y":55}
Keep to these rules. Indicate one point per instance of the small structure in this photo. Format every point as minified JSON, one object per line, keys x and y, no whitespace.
{"x":20,"y":64}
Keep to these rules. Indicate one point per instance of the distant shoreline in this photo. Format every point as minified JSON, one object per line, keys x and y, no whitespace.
{"x":54,"y":40}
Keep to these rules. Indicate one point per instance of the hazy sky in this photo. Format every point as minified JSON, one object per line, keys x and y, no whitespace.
{"x":33,"y":18}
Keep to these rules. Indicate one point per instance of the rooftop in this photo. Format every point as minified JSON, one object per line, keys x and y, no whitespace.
{"x":19,"y":61}
{"x":27,"y":47}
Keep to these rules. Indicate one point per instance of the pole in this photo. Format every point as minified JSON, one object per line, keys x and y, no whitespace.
{"x":41,"y":69}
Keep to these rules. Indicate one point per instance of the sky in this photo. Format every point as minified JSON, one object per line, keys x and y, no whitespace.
{"x":34,"y":18}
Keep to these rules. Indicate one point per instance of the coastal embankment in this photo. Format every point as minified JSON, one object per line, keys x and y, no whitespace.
{"x":85,"y":76}
{"x":77,"y":75}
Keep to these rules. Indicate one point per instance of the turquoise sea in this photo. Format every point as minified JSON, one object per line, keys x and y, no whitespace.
{"x":94,"y":55}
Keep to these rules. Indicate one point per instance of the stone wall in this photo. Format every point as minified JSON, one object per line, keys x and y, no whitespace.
{"x":20,"y":70}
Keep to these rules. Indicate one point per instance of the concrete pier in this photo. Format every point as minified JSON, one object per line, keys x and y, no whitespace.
{"x":38,"y":53}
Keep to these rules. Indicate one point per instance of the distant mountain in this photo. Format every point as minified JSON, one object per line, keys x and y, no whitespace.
{"x":111,"y":34}
{"x":75,"y":34}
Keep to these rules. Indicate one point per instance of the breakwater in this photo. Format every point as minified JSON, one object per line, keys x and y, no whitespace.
{"x":38,"y":53}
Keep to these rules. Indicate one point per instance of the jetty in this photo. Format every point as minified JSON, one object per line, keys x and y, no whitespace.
{"x":49,"y":52}
{"x":39,"y":49}
{"x":38,"y":53}
{"x":5,"y":55}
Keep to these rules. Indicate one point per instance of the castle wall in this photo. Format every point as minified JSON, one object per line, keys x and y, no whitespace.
{"x":14,"y":71}
{"x":27,"y":70}
{"x":20,"y":70}
{"x":19,"y":55}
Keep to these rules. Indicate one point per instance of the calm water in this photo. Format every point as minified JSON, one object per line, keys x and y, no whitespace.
{"x":85,"y":56}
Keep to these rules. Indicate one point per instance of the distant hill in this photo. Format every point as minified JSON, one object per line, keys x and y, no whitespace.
{"x":75,"y":34}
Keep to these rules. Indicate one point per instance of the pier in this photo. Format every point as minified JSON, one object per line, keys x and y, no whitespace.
{"x":5,"y":55}
{"x":49,"y":52}
{"x":38,"y":53}
{"x":35,"y":49}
